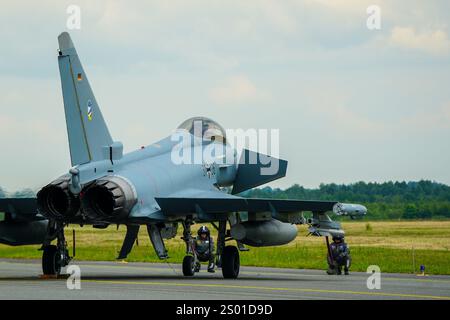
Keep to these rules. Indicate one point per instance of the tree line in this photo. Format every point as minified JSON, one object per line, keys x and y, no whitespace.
{"x":388,"y":200}
{"x":24,"y":193}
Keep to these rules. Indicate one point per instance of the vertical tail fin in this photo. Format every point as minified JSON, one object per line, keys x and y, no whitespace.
{"x":86,"y":129}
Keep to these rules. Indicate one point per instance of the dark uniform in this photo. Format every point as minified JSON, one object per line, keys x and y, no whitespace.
{"x":204,"y":247}
{"x":340,"y":256}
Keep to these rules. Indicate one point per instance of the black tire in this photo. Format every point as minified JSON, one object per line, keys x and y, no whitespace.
{"x":230,"y":262}
{"x":50,"y":261}
{"x":188,"y":266}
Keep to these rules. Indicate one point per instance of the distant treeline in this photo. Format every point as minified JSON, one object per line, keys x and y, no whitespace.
{"x":24,"y":193}
{"x":388,"y":200}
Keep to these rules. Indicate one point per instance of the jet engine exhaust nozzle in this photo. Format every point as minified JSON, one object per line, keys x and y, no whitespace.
{"x":109,"y":197}
{"x":56,"y":201}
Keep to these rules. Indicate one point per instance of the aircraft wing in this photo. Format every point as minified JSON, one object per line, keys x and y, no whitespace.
{"x":19,"y":209}
{"x":20,"y":223}
{"x":181,"y":205}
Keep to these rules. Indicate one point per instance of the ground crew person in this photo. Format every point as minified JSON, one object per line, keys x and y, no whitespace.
{"x":338,"y":256}
{"x":204,"y":247}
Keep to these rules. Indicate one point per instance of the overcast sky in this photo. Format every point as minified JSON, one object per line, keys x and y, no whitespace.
{"x":351,"y":103}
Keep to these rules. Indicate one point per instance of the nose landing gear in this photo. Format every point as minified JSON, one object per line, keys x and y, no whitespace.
{"x":189,"y":266}
{"x":227,"y":256}
{"x":230,"y":262}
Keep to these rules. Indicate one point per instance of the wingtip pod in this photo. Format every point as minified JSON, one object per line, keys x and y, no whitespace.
{"x":349,"y":209}
{"x":65,"y":42}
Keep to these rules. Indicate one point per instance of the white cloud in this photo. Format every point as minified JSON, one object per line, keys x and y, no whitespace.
{"x":279,"y":16}
{"x":352,"y":6}
{"x":435,"y":42}
{"x":429,"y":120}
{"x":309,"y":67}
{"x":236,"y":89}
{"x":331,"y":107}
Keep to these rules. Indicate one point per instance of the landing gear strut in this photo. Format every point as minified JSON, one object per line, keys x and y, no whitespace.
{"x":190,"y":261}
{"x":221,"y":234}
{"x":55,"y":257}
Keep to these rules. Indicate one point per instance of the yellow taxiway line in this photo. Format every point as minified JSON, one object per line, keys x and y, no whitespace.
{"x":307,"y":290}
{"x":264,"y":273}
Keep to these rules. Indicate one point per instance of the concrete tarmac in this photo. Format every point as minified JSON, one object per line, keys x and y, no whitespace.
{"x":19,"y":279}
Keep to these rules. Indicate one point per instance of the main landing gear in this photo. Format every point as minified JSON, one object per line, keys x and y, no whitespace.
{"x":227,"y":256}
{"x":55,"y":257}
{"x":230,"y":262}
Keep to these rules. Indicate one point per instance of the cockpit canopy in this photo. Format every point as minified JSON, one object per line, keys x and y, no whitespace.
{"x":205,"y":128}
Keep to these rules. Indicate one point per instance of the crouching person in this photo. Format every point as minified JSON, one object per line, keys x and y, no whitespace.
{"x":339,"y":256}
{"x":204,"y":247}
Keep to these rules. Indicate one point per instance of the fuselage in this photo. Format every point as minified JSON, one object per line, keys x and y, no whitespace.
{"x":170,"y":167}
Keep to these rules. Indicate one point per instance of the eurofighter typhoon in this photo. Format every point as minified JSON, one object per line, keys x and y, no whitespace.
{"x":163,"y":186}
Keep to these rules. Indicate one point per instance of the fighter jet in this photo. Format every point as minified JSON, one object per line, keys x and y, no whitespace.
{"x":164,"y":185}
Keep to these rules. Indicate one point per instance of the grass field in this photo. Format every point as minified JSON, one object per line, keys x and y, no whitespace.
{"x":393,"y":246}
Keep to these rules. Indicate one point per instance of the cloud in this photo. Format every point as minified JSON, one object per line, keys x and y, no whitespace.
{"x":334,"y":110}
{"x":236,"y":89}
{"x":279,"y":16}
{"x":434,"y":42}
{"x":352,"y":6}
{"x":310,"y":67}
{"x":429,"y":120}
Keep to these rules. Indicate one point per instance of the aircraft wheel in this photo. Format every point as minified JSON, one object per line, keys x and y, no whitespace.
{"x":188,"y":266}
{"x":50,"y":261}
{"x":230,"y":262}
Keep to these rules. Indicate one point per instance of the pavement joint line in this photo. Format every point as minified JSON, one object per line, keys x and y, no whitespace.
{"x":271,"y":273}
{"x":250,"y":272}
{"x":387,"y":294}
{"x":218,"y":285}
